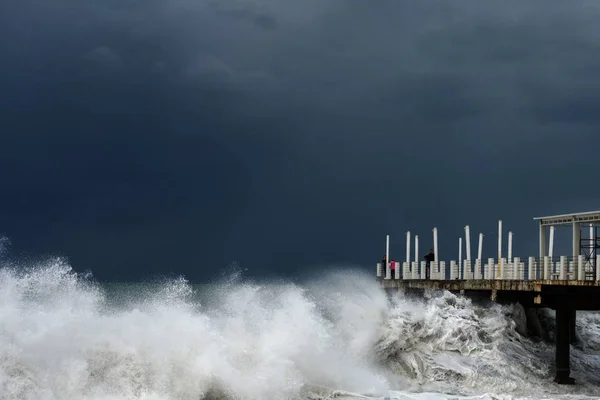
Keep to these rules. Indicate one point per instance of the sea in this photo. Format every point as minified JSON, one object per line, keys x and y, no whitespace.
{"x":337,"y":334}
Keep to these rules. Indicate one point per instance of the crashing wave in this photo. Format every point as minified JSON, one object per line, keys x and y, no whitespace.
{"x":63,"y":336}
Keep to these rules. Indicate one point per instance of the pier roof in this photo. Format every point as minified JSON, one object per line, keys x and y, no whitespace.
{"x":567,"y":219}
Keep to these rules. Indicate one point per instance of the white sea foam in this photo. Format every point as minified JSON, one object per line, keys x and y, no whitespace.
{"x":64,"y":337}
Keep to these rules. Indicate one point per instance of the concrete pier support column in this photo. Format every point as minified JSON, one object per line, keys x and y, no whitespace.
{"x":573,"y":327}
{"x":563,"y":346}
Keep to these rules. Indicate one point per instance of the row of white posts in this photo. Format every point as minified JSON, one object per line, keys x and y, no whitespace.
{"x":547,"y":269}
{"x":510,"y":268}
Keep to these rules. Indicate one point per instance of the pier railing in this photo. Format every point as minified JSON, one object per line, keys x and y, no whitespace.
{"x":547,"y":268}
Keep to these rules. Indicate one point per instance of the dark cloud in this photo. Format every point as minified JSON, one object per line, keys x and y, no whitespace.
{"x":246,"y":12}
{"x":146,"y":137}
{"x":105,"y":57}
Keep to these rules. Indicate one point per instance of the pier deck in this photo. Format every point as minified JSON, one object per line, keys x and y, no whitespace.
{"x":565,"y":283}
{"x":579,"y":295}
{"x":566,"y":286}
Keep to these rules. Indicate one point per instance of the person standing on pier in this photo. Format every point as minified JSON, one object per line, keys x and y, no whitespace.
{"x":429,"y":258}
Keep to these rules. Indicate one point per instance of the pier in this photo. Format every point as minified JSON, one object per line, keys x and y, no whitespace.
{"x":565,"y":283}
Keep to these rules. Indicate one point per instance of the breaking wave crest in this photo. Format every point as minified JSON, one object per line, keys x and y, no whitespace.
{"x":63,"y":336}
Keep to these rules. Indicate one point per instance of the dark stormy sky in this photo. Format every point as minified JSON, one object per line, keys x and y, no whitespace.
{"x":150,"y":137}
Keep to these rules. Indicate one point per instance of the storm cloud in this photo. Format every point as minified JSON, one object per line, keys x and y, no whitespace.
{"x":150,"y":137}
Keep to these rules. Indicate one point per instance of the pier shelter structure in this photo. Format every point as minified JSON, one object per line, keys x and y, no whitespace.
{"x":581,"y":246}
{"x":566,"y":283}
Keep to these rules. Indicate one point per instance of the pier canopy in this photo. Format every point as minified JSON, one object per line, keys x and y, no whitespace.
{"x":573,"y":219}
{"x":567,"y":219}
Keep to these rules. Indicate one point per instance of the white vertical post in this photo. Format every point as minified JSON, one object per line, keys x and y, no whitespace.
{"x":591,"y":238}
{"x":499,"y":276}
{"x":517,"y":268}
{"x":543,"y":248}
{"x":576,"y":239}
{"x":468,"y":241}
{"x":501,"y":262}
{"x":592,"y":245}
{"x":531,"y":272}
{"x":551,"y":246}
{"x":563,"y":268}
{"x":417,"y":248}
{"x":423,"y":269}
{"x":510,"y":260}
{"x":379,"y":270}
{"x":580,"y":275}
{"x":387,"y":257}
{"x":435,"y":244}
{"x":546,"y":274}
{"x":453,"y":270}
{"x":490,"y":273}
{"x":510,"y":242}
{"x":408,"y":246}
{"x":572,"y":269}
{"x":415,"y":270}
{"x":480,"y":248}
{"x":460,"y":250}
{"x":598,"y":268}
{"x":499,"y":239}
{"x":433,"y":273}
{"x":443,"y":270}
{"x":480,"y":252}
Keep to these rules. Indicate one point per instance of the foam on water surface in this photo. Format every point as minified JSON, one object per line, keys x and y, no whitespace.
{"x":62,"y":336}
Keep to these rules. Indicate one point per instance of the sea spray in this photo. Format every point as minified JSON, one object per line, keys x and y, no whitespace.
{"x":61,"y":340}
{"x":64,"y":336}
{"x":446,"y":343}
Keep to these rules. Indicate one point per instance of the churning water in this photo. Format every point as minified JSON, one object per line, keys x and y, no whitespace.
{"x":62,"y":336}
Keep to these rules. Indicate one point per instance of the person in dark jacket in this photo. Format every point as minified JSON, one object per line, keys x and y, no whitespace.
{"x":429,"y":258}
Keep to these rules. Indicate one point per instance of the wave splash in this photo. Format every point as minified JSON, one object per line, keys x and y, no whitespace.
{"x":62,"y":336}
